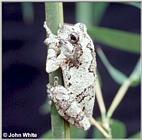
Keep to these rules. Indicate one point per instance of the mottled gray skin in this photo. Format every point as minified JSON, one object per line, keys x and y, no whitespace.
{"x":73,"y":51}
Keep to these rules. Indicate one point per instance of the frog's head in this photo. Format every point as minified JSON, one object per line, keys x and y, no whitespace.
{"x":72,"y":33}
{"x":70,"y":36}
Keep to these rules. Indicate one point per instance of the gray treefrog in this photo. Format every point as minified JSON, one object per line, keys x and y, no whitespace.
{"x":73,"y":51}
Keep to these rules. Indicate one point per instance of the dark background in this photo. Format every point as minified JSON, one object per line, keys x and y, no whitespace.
{"x":23,"y":67}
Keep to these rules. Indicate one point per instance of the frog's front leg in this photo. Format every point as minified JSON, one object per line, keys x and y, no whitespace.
{"x":48,"y":31}
{"x":53,"y":61}
{"x":54,"y":57}
{"x":68,"y":107}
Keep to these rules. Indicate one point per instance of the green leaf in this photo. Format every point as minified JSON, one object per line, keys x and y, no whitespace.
{"x":135,"y":76}
{"x":117,"y":126}
{"x":47,"y":134}
{"x":75,"y":133}
{"x":99,"y":10}
{"x":135,"y":4}
{"x":118,"y":76}
{"x":78,"y":133}
{"x":118,"y":130}
{"x":115,"y":38}
{"x":45,"y":108}
{"x":137,"y":135}
{"x":27,"y":12}
{"x":84,"y":12}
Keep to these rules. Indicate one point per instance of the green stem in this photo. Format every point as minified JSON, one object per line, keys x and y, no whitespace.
{"x":102,"y":107}
{"x":67,"y":129}
{"x":100,"y":99}
{"x":54,"y":17}
{"x":100,"y":128}
{"x":119,"y":96}
{"x":123,"y":90}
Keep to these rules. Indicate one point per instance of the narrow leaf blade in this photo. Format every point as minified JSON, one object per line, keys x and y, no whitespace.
{"x":135,"y":4}
{"x":135,"y":76}
{"x":117,"y":76}
{"x":115,"y":38}
{"x":137,"y":135}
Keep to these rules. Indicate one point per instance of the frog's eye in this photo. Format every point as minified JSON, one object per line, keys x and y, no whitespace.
{"x":73,"y":37}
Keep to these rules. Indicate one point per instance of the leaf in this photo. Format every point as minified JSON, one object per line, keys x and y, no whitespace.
{"x":137,"y":135}
{"x":45,"y":108}
{"x":135,"y":76}
{"x":47,"y":134}
{"x":77,"y":133}
{"x":99,"y":10}
{"x":84,"y":12}
{"x":135,"y":4}
{"x":115,"y":38}
{"x":118,"y":76}
{"x":118,"y":130}
{"x":118,"y":126}
{"x":27,"y":12}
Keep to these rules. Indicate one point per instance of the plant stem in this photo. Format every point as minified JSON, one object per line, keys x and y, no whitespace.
{"x":54,"y":17}
{"x":134,"y":77}
{"x":119,"y":96}
{"x":100,"y":128}
{"x":67,"y":129}
{"x":102,"y":107}
{"x":100,"y":99}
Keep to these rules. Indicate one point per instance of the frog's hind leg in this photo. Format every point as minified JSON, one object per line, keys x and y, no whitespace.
{"x":88,"y":103}
{"x":68,"y":107}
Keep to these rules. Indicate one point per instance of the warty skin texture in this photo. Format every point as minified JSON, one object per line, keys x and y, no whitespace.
{"x":73,"y":51}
